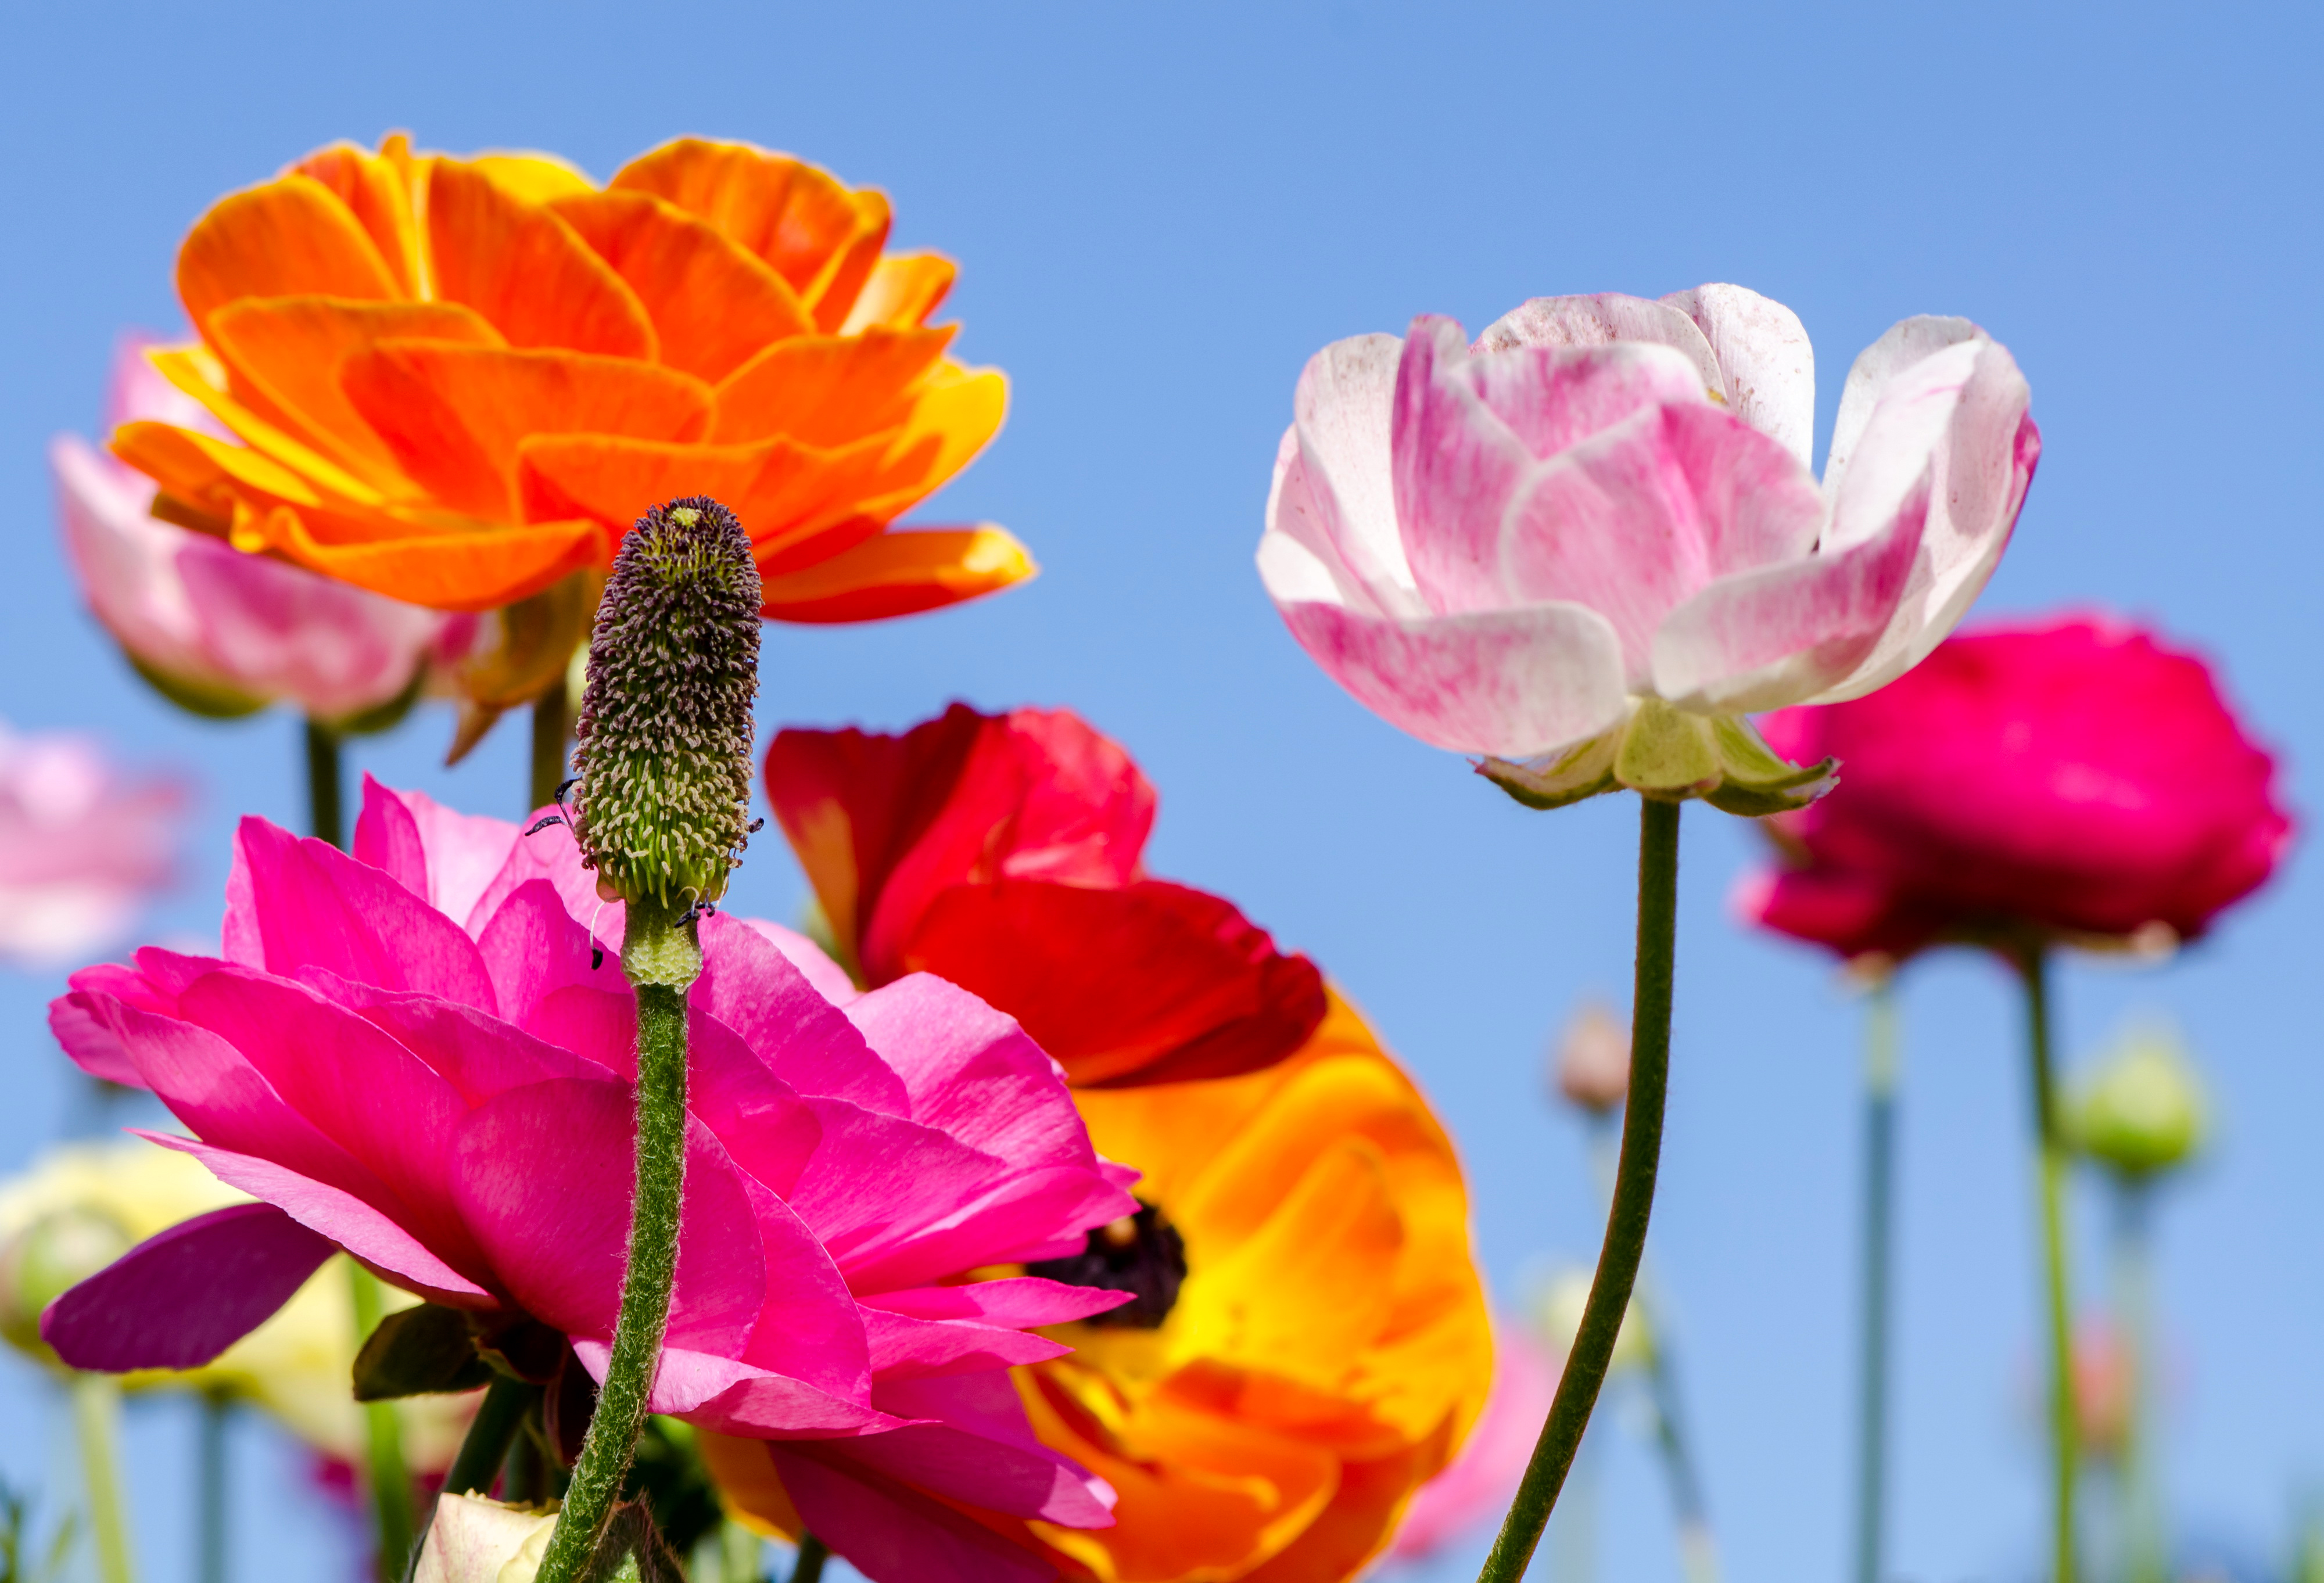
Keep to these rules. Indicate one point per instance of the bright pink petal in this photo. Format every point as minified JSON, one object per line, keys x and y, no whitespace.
{"x":444,"y":858}
{"x":1512,"y":683}
{"x":1018,"y":1302}
{"x":975,"y":1446}
{"x":971,"y":1072}
{"x":533,"y":947}
{"x":830,"y":980}
{"x":474,"y":1052}
{"x":549,"y":853}
{"x":180,"y":1298}
{"x":902,"y":1348}
{"x":750,"y":983}
{"x":809,"y":1328}
{"x":732,"y":1397}
{"x":890,"y":1532}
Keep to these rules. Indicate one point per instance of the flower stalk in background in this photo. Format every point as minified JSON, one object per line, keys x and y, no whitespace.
{"x":1585,"y":547}
{"x":82,"y":845}
{"x":1004,"y":853}
{"x":2069,"y":782}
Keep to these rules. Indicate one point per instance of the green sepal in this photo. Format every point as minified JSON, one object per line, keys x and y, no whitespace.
{"x":1668,"y":753}
{"x":1575,"y":775}
{"x":206,"y":699}
{"x":1671,"y":755}
{"x":419,"y":1351}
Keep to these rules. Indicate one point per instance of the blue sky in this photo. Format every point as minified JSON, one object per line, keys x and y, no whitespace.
{"x":1159,"y":214}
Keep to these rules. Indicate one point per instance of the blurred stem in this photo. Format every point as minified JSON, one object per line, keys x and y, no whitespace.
{"x":326,"y":796}
{"x":552,"y":727}
{"x":210,"y":1489}
{"x":391,"y":1483}
{"x":524,"y":1476}
{"x":97,"y":1422}
{"x":485,"y":1447}
{"x":811,"y":1556}
{"x":2034,"y":964}
{"x":661,"y":957}
{"x":1882,"y":1069}
{"x":1634,"y":1197}
{"x":738,"y":1554}
{"x":2144,"y":1541}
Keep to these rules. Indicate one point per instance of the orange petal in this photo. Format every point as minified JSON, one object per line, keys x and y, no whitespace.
{"x":168,"y":456}
{"x":527,"y":270}
{"x":843,"y":279}
{"x":197,"y":372}
{"x":532,"y":176}
{"x":289,"y":237}
{"x":956,"y":415}
{"x":778,"y":489}
{"x":825,"y":389}
{"x":291,"y":348}
{"x":376,"y":193}
{"x":750,"y":1490}
{"x":712,"y":305}
{"x":447,"y":571}
{"x":903,"y":290}
{"x":453,"y":417}
{"x":898,"y":574}
{"x":1362,"y":1517}
{"x":789,"y":214}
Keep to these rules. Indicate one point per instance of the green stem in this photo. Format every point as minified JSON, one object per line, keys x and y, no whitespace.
{"x":326,"y":797}
{"x":738,"y":1554}
{"x":552,"y":729}
{"x":1633,"y":1205}
{"x":812,"y":1554}
{"x":490,"y":1432}
{"x":97,"y":1416}
{"x":661,"y":957}
{"x":2064,"y":1432}
{"x":391,"y":1482}
{"x":1882,"y":1070}
{"x":210,"y":1489}
{"x":2144,"y":1542}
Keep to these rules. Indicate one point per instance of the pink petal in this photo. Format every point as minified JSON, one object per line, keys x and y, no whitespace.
{"x":1765,"y":362}
{"x":830,"y":980}
{"x":975,"y":1446}
{"x":1512,"y":683}
{"x":1605,"y":319}
{"x":1335,"y":487}
{"x":532,"y":947}
{"x":544,"y":1175}
{"x":890,"y":1532}
{"x":474,"y":1052}
{"x":734,"y":1397}
{"x":180,"y":1298}
{"x":549,"y":853}
{"x":751,"y":983}
{"x":971,"y":1072}
{"x":902,"y":1348}
{"x":1019,"y":1301}
{"x":355,"y":1225}
{"x":307,"y":904}
{"x":809,"y":1328}
{"x":1036,"y":1215}
{"x":447,"y":859}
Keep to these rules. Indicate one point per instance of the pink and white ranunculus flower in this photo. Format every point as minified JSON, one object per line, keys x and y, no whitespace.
{"x":82,"y":845}
{"x":420,"y":1052}
{"x":1585,"y":547}
{"x":217,"y":631}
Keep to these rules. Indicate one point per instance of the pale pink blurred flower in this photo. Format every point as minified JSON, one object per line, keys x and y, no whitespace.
{"x":217,"y":631}
{"x":1476,"y":1484}
{"x":1590,"y":1066}
{"x":81,"y":845}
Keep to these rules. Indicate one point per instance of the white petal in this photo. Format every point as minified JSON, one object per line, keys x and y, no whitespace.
{"x":1907,"y":342}
{"x":1764,"y":357}
{"x":1342,"y":413}
{"x":1600,"y":320}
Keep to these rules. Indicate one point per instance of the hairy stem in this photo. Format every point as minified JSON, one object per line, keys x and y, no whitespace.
{"x":1633,"y":1205}
{"x":662,"y":958}
{"x":1882,"y":1070}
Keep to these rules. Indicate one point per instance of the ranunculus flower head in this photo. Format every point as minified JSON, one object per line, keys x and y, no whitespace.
{"x":418,"y":1052}
{"x":216,"y":631}
{"x":82,"y":844}
{"x":455,"y":380}
{"x":2071,"y":779}
{"x":1590,"y":542}
{"x":1005,"y":854}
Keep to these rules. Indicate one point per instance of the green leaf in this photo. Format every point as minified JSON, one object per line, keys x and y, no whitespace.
{"x":419,"y":1351}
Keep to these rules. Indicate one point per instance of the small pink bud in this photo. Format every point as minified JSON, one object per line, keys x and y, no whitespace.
{"x":1592,"y":1065}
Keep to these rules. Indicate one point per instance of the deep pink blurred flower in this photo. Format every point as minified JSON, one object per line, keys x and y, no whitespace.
{"x":1477,"y":1485}
{"x":1601,"y":514}
{"x":81,"y":846}
{"x":2072,"y":778}
{"x":410,"y":1051}
{"x":218,"y":630}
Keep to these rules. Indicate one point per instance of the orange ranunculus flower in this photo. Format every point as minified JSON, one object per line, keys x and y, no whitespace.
{"x":456,"y":381}
{"x":1328,"y":1348}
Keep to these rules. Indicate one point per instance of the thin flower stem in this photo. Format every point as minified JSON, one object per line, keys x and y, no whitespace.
{"x":96,"y":1419}
{"x":211,"y":1497}
{"x":391,"y":1483}
{"x":487,"y":1445}
{"x":326,"y":796}
{"x":2034,"y":962}
{"x":812,"y":1554}
{"x":1882,"y":1070}
{"x":658,"y":947}
{"x":2144,"y":1545}
{"x":1633,"y":1205}
{"x":552,"y":731}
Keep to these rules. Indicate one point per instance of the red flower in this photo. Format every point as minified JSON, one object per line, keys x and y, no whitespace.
{"x":2073,"y":779}
{"x":1002,"y":852}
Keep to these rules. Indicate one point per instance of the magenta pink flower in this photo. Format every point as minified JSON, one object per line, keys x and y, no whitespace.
{"x":216,"y":628}
{"x":1597,"y":524}
{"x":2070,"y":778}
{"x":1477,"y":1485}
{"x":81,"y":845}
{"x":416,"y":1054}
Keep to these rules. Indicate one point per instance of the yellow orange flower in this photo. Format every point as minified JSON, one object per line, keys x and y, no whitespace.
{"x":1328,"y":1349}
{"x":456,"y":381}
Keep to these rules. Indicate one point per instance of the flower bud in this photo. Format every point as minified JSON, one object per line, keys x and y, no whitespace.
{"x":1557,"y":1319}
{"x":2142,"y":1110}
{"x":60,"y":1250}
{"x":476,"y":1540}
{"x":664,"y":759}
{"x":1592,"y":1064}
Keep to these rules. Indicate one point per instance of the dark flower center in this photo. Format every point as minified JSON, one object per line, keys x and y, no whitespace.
{"x":1140,"y":1254}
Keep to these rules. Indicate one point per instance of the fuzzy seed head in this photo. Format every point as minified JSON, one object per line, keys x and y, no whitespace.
{"x":664,"y":760}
